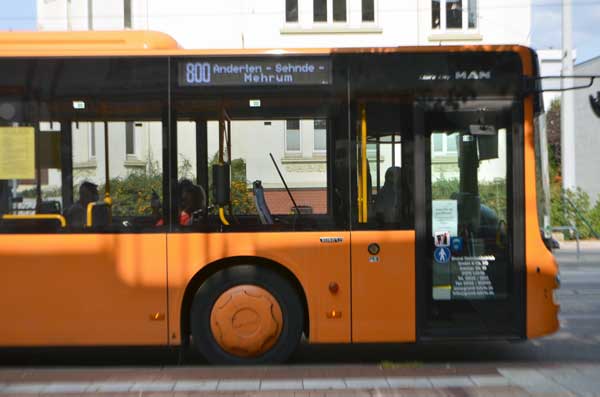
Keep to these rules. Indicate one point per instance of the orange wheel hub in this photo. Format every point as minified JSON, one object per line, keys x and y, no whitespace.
{"x":246,"y":320}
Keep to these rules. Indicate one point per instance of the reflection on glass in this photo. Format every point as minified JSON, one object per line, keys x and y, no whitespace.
{"x":472,"y":13}
{"x":435,"y":14}
{"x":453,"y":14}
{"x":291,"y":10}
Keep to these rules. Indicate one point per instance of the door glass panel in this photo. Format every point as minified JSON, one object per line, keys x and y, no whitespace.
{"x":469,"y":213}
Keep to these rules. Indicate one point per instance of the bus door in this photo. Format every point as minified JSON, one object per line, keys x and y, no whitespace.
{"x":470,"y":276}
{"x":383,"y":237}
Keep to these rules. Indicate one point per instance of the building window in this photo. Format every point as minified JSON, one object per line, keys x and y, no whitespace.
{"x":127,"y":14}
{"x":435,"y":14}
{"x":472,"y":14}
{"x":292,"y":136}
{"x":291,"y":10}
{"x":320,"y":139}
{"x":320,"y":10}
{"x":453,"y":14}
{"x":129,"y":138}
{"x":330,"y":11}
{"x":368,"y":10}
{"x":92,"y":140}
{"x":444,"y":144}
{"x":339,"y":10}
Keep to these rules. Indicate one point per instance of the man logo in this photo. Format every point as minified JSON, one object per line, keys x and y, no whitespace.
{"x":473,"y":75}
{"x":595,"y":103}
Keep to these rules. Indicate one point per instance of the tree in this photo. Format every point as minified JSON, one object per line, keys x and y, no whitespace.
{"x":553,"y":132}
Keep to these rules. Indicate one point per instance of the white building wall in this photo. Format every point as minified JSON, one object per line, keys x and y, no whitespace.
{"x":261,"y":23}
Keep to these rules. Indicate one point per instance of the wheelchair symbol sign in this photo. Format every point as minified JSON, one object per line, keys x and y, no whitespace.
{"x":442,"y":255}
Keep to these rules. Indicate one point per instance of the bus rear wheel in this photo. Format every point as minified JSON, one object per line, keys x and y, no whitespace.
{"x":246,"y":315}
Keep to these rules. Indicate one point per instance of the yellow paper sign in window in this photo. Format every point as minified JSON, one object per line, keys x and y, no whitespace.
{"x":17,"y":153}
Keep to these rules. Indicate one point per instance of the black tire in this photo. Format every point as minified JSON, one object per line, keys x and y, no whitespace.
{"x":277,"y":285}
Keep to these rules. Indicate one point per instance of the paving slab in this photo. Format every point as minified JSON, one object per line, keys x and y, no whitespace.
{"x":199,"y":385}
{"x":239,"y":384}
{"x":152,"y":386}
{"x":323,"y":384}
{"x":447,"y":381}
{"x":489,"y":380}
{"x":281,"y":384}
{"x":534,"y":382}
{"x":366,"y":383}
{"x":412,"y":383}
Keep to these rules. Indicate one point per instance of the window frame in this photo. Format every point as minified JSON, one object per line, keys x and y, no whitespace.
{"x":466,"y":7}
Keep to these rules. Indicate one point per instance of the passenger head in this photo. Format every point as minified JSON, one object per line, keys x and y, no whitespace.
{"x":88,"y":193}
{"x":192,"y":198}
{"x":393,"y":176}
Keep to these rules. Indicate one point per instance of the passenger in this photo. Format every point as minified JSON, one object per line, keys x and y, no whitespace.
{"x":76,"y":214}
{"x":387,"y":203}
{"x":192,"y":203}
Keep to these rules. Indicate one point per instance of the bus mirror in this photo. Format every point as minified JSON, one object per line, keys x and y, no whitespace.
{"x":487,"y":140}
{"x":221,"y":187}
{"x":487,"y":146}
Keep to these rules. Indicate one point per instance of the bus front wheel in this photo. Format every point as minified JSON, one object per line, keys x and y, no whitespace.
{"x":246,"y":315}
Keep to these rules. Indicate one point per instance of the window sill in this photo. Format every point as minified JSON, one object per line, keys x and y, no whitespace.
{"x":317,"y":158}
{"x":331,"y":29}
{"x":458,"y":36}
{"x":134,"y":163}
{"x":86,"y":164}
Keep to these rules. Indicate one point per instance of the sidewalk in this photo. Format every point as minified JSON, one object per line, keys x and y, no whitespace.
{"x":300,"y":381}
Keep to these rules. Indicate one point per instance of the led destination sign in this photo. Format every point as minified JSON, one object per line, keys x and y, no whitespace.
{"x":263,"y":72}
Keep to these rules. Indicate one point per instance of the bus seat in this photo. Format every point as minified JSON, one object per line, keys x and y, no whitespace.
{"x":261,"y":204}
{"x":49,"y":207}
{"x":98,"y":214}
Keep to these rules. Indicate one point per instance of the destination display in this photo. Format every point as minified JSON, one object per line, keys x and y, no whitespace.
{"x":262,"y":72}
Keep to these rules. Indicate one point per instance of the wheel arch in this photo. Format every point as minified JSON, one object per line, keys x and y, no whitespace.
{"x":203,"y":274}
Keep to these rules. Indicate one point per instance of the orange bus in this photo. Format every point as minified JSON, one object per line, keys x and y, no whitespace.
{"x":236,"y":200}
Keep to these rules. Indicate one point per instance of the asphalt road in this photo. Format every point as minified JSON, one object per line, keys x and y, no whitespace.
{"x":578,"y":340}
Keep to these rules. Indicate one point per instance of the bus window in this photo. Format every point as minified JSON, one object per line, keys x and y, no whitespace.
{"x":85,"y":155}
{"x":279,"y":155}
{"x":384,"y":192}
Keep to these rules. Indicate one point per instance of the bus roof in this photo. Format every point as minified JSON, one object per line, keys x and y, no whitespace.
{"x":59,"y":43}
{"x":152,"y":43}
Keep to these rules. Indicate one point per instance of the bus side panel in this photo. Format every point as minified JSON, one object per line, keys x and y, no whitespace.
{"x":314,"y":263}
{"x":83,"y":289}
{"x":542,"y":311}
{"x":383,"y":287}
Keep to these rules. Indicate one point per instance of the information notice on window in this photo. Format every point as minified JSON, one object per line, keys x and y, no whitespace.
{"x":17,"y":153}
{"x":263,"y":72}
{"x":470,"y":277}
{"x":465,"y":277}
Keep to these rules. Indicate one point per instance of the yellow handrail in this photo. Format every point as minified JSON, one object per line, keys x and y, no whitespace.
{"x":363,"y":216}
{"x":89,"y":222}
{"x":222,"y":216}
{"x":60,"y":218}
